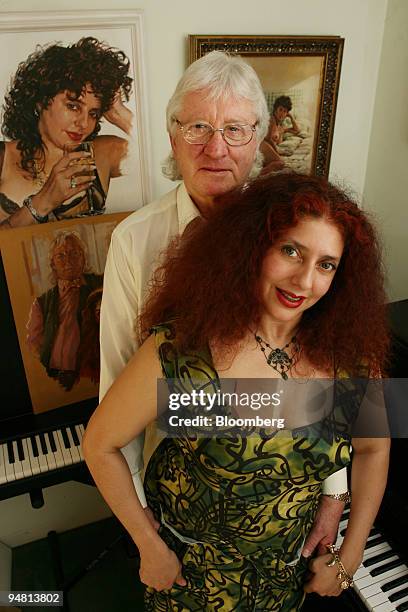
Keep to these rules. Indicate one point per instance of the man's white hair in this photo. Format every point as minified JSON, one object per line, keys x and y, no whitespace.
{"x":222,"y":75}
{"x":60,"y":239}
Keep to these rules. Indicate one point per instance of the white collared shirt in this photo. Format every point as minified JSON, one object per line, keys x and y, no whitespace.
{"x":133,"y":256}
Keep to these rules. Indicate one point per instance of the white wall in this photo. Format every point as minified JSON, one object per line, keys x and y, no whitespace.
{"x":386,"y":187}
{"x":167,"y":24}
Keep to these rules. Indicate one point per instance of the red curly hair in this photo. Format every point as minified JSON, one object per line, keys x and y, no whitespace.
{"x":209,"y":282}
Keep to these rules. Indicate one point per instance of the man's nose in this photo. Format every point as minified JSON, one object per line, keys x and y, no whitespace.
{"x":216,"y":146}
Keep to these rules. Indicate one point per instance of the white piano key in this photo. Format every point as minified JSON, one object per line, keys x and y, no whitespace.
{"x":34,"y":462}
{"x":383,"y":597}
{"x":67,"y":457}
{"x":59,"y":457}
{"x":3,"y":477}
{"x":388,"y":606}
{"x":364,"y":571}
{"x":74,"y":449}
{"x":27,"y":471}
{"x":375,"y":588}
{"x":81,"y":428}
{"x":9,"y":467}
{"x":50,"y":457}
{"x":18,"y":467}
{"x":376,"y":550}
{"x":366,"y":581}
{"x":42,"y":459}
{"x":80,"y":436}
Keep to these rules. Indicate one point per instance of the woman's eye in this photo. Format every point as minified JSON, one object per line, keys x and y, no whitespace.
{"x":289,"y":250}
{"x":327,"y":266}
{"x":72,"y":106}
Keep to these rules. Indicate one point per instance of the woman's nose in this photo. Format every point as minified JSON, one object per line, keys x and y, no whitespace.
{"x":82,"y":120}
{"x":304,"y":277}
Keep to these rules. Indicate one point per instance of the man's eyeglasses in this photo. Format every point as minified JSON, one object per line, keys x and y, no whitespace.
{"x":234,"y":134}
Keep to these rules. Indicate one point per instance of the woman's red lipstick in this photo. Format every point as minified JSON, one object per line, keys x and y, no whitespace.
{"x":75,"y":136}
{"x":289,"y":299}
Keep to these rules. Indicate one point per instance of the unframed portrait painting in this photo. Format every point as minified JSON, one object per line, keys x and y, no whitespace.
{"x":300,"y":77}
{"x":54,"y":276}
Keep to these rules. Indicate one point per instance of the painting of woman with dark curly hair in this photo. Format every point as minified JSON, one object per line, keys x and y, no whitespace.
{"x":67,"y":125}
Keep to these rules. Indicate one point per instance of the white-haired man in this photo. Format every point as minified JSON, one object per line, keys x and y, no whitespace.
{"x":216,"y":119}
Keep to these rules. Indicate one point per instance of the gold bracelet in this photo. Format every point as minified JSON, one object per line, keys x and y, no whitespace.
{"x":344,"y":497}
{"x":346,"y":580}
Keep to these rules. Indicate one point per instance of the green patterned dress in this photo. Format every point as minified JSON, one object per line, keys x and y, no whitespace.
{"x":243,"y":505}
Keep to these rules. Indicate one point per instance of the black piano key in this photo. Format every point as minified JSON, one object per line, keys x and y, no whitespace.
{"x":52,"y":441}
{"x":65,"y":438}
{"x":402,"y":607}
{"x":20,"y":450}
{"x":43,"y":443}
{"x":378,"y":540}
{"x":75,"y":436}
{"x":377,"y":571}
{"x":378,"y":558}
{"x":345,"y":515}
{"x":10,"y":452}
{"x":34,"y":446}
{"x":398,"y":594}
{"x":393,"y":584}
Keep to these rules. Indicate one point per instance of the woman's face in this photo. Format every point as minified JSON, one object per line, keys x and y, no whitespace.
{"x":68,"y":121}
{"x":299,"y":268}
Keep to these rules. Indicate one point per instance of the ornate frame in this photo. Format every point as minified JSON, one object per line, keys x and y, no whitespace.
{"x":329,"y":48}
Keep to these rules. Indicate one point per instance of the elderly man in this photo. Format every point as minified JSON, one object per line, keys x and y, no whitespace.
{"x":216,"y":119}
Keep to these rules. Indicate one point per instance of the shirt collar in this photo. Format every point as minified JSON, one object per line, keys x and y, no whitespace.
{"x":186,"y":209}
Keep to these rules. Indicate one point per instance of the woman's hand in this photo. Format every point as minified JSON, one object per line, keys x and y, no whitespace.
{"x":118,"y":114}
{"x":72,"y":174}
{"x":160,"y":567}
{"x":323,"y":579}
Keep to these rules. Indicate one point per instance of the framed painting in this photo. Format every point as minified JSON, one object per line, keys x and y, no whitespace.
{"x":54,"y":275}
{"x":300,"y":77}
{"x":73,"y":81}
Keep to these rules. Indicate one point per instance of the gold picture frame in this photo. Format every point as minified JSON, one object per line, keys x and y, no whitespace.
{"x":304,"y":68}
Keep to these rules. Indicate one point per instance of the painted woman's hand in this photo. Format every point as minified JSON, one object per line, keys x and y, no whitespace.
{"x":118,"y":114}
{"x":73,"y":173}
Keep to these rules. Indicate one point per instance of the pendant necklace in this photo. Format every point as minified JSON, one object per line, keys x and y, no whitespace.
{"x":278,"y":358}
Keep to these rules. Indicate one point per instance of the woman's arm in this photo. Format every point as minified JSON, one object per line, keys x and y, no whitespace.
{"x":368,"y":480}
{"x":128,"y":407}
{"x":118,"y":114}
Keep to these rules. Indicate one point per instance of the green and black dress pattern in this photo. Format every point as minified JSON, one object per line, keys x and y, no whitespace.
{"x":246,"y":504}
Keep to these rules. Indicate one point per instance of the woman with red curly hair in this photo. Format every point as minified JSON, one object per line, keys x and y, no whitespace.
{"x":283,"y":285}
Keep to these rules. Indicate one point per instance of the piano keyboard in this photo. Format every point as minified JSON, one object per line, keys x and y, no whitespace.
{"x":40,"y":453}
{"x":381,"y":582}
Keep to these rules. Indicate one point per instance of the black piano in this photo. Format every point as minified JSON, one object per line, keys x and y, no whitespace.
{"x":36,"y":451}
{"x":381,"y":583}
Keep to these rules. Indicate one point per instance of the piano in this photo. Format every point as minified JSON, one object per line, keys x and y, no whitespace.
{"x":381,"y":582}
{"x":36,"y":450}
